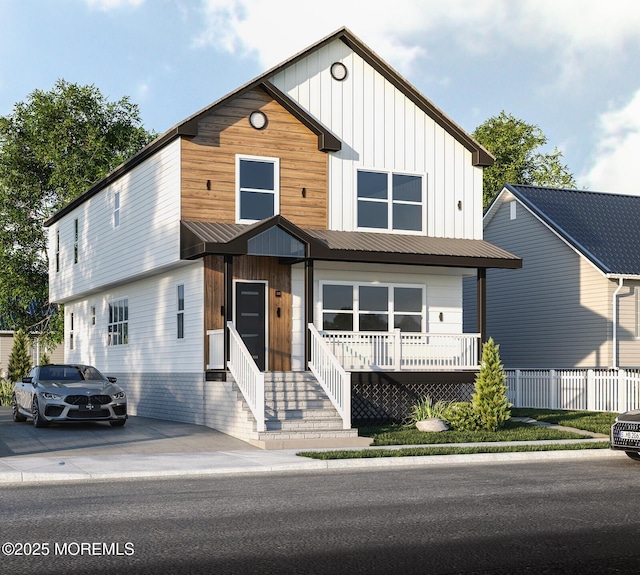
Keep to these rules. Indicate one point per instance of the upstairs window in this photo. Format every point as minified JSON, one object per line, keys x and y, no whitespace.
{"x":57,"y":251}
{"x":258,"y":188}
{"x":116,"y":209}
{"x":390,"y":201}
{"x":75,"y":242}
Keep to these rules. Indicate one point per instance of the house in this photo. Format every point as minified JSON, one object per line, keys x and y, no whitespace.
{"x":575,"y":302}
{"x":288,"y":259}
{"x":35,"y":351}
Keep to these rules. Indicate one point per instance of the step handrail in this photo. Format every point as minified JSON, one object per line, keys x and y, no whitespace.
{"x":247,"y":375}
{"x":332,"y":377}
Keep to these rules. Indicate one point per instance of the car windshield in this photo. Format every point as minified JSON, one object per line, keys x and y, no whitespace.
{"x":68,"y":373}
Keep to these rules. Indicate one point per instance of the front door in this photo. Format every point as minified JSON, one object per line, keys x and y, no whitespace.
{"x":251,"y":319}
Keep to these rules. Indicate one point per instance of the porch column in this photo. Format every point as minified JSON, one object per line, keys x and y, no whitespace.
{"x":228,"y":302}
{"x":308,"y":309}
{"x":482,"y":307}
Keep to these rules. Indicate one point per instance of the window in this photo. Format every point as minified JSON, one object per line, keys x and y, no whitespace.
{"x":369,"y":307}
{"x":180,"y":316}
{"x":93,"y":315}
{"x":388,"y":201}
{"x":116,"y":209}
{"x":118,"y":329}
{"x":71,"y":331}
{"x":75,"y":243}
{"x":57,"y":251}
{"x":258,"y":181}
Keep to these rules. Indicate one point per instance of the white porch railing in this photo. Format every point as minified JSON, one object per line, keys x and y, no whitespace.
{"x":396,"y":350}
{"x":335,"y":381}
{"x":247,"y":375}
{"x":216,"y":349}
{"x":614,"y":390}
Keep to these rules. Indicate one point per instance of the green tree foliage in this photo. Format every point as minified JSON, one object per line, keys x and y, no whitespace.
{"x":44,"y":358}
{"x":19,"y":360}
{"x":489,"y":400}
{"x":53,"y":147}
{"x":516,"y":146}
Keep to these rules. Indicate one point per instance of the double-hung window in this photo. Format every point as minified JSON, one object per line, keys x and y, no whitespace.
{"x":258,"y":188}
{"x":118,"y":329}
{"x":116,"y":209}
{"x":180,"y":315}
{"x":390,"y":201}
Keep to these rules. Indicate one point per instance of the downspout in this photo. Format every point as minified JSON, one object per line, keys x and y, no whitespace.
{"x":615,"y":323}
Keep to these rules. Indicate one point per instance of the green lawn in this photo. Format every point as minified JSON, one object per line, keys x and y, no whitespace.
{"x":387,"y":435}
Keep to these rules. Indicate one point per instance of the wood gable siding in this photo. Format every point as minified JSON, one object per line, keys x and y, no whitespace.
{"x":278,"y":277}
{"x":555,"y":311}
{"x":211,"y":156}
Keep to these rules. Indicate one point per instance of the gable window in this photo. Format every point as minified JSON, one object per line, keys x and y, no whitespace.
{"x":180,"y":316}
{"x":390,"y":201}
{"x":372,"y":307}
{"x":258,"y":188}
{"x":116,"y":209}
{"x":118,"y":328}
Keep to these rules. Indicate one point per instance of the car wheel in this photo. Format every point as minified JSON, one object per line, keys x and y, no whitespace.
{"x":118,"y":422}
{"x":633,"y":455}
{"x":38,"y":420}
{"x":17,"y":416}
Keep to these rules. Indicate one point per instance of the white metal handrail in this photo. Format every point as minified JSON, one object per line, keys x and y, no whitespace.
{"x":396,"y":350}
{"x":335,"y":381}
{"x":249,"y":378}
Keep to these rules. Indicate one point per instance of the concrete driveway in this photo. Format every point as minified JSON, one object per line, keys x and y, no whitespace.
{"x":141,"y":435}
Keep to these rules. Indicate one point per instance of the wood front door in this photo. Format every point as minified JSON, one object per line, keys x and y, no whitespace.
{"x":251,"y":319}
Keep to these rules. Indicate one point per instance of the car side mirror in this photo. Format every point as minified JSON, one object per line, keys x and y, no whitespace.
{"x":112,"y":379}
{"x":27,"y":380}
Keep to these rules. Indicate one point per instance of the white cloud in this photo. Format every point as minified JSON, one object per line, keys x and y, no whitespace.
{"x":574,"y":30}
{"x":617,"y":150}
{"x":106,"y":5}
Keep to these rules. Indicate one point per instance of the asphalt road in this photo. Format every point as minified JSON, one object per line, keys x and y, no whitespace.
{"x":568,"y":516}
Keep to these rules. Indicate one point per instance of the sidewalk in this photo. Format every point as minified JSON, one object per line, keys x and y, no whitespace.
{"x":149,"y":448}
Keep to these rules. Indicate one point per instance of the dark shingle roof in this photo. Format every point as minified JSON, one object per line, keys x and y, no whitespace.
{"x":604,"y":227}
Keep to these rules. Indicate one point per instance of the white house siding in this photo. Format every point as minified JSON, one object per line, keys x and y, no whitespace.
{"x":551,"y":313}
{"x":147,"y":239}
{"x":162,"y":375}
{"x":381,"y":128}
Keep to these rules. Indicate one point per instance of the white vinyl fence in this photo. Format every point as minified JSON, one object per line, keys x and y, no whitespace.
{"x":613,"y":390}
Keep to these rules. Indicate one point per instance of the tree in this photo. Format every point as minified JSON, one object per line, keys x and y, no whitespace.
{"x":53,"y":147}
{"x":19,"y":359}
{"x":490,"y":397}
{"x":515,"y":145}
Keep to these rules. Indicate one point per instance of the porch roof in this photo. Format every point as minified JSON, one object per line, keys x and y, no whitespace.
{"x":198,"y":239}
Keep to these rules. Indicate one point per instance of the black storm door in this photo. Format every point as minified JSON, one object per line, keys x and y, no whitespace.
{"x":251,"y":319}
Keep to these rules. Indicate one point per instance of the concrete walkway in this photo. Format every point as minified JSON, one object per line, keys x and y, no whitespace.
{"x":151,"y":448}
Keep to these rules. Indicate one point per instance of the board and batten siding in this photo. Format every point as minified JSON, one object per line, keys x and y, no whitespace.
{"x":153,"y":344}
{"x":552,"y":313}
{"x":147,"y":239}
{"x":209,"y":160}
{"x":383,"y":129}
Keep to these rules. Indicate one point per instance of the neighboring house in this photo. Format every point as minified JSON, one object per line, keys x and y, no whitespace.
{"x":575,"y":302}
{"x":325,"y":207}
{"x":6,"y":345}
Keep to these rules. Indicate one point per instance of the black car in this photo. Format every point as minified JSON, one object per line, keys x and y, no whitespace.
{"x":625,"y":433}
{"x":68,"y":393}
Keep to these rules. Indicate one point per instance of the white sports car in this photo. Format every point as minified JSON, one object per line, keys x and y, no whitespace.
{"x":58,"y":393}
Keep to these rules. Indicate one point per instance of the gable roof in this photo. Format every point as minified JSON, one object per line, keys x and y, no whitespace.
{"x":603,"y":227}
{"x":326,"y":140}
{"x":198,"y":239}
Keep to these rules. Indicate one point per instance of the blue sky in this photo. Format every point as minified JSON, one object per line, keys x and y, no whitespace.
{"x":569,"y":66}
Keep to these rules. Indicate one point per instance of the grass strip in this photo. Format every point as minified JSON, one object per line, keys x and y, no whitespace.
{"x":596,"y":421}
{"x":446,"y":450}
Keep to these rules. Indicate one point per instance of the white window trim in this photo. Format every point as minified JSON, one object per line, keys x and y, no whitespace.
{"x":276,"y":184}
{"x":319,"y":317}
{"x":113,"y":301}
{"x":389,"y":201}
{"x":180,"y":312}
{"x":117,"y":205}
